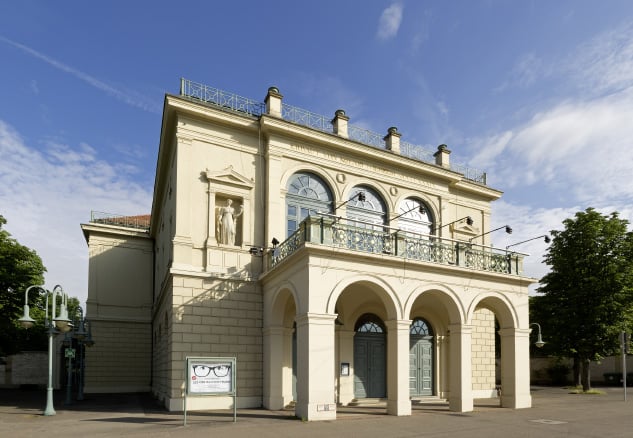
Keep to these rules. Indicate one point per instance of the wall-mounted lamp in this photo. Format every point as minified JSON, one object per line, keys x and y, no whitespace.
{"x":545,"y":236}
{"x":469,"y":222}
{"x":360,"y":195}
{"x":256,"y":250}
{"x":420,"y":208}
{"x":539,"y":340}
{"x":259,"y":250}
{"x":507,"y":228}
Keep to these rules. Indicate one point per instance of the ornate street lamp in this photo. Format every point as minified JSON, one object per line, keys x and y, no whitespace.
{"x":539,"y":340}
{"x":53,"y":324}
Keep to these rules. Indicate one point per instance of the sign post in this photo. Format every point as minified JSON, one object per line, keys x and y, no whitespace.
{"x":210,"y":376}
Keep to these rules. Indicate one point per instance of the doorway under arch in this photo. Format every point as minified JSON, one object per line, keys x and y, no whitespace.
{"x":421,"y":347}
{"x":370,"y":352}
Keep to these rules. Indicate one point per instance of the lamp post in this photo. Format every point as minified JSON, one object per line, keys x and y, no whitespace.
{"x":84,"y":338}
{"x":539,"y":340}
{"x":421,"y":209}
{"x":507,"y":228}
{"x":546,"y":239}
{"x":53,"y":324}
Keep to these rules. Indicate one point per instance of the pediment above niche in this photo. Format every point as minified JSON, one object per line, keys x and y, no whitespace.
{"x":228,"y":176}
{"x":461,"y":230}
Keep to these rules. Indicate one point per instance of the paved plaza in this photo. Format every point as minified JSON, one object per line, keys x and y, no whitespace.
{"x":555,"y":413}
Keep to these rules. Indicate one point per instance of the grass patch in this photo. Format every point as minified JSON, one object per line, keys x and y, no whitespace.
{"x":578,"y":390}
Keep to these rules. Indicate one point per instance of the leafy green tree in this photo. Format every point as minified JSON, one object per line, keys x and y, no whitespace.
{"x":587,"y":297}
{"x":20,"y":267}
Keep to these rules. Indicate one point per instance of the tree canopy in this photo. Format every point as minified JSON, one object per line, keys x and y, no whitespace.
{"x":587,"y":297}
{"x":20,"y":267}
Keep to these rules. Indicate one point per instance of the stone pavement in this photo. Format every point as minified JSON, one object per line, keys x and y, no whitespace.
{"x":555,"y":413}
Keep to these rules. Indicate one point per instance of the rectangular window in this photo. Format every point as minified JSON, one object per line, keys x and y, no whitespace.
{"x":304,"y":213}
{"x":292,"y":226}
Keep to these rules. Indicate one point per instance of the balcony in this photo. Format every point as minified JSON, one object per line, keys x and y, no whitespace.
{"x":340,"y":233}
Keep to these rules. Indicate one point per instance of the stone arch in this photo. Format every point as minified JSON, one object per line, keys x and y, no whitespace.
{"x":430,"y":201}
{"x":411,"y":219}
{"x":309,"y":168}
{"x":446,"y":296}
{"x":276,"y":312}
{"x":499,"y":304}
{"x":382,"y":289}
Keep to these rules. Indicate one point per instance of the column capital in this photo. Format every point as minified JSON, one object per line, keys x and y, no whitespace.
{"x":315,"y":318}
{"x":398,"y":324}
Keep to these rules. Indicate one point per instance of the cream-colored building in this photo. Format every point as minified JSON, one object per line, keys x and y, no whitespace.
{"x":333,"y":263}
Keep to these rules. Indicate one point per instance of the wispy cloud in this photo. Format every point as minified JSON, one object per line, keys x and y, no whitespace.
{"x":128,"y":97}
{"x":526,"y":71}
{"x":574,"y":149}
{"x":579,"y":143}
{"x":605,"y":63}
{"x":49,"y":191}
{"x":389,"y":21}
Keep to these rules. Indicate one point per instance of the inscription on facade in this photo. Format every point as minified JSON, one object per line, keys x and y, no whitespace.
{"x":364,"y":165}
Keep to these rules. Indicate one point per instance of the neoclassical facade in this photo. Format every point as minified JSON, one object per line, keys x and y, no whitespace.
{"x":336,"y":265}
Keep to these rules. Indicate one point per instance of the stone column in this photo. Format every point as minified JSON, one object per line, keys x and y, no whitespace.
{"x":211,"y":239}
{"x":392,"y":140}
{"x":273,"y":368}
{"x":315,"y":367}
{"x":182,"y":244}
{"x":340,"y":123}
{"x":461,"y":386}
{"x":346,"y":354}
{"x":515,"y":368}
{"x":398,"y":398}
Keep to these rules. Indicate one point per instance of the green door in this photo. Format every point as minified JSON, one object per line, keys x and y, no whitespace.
{"x":421,"y":366}
{"x":420,"y":359}
{"x":370,"y":365}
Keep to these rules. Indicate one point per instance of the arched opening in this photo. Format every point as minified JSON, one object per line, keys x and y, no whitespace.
{"x":307,"y":195}
{"x":415,"y":216}
{"x":363,"y":211}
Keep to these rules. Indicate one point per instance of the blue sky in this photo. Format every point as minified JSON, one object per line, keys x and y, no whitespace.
{"x":537,"y":93}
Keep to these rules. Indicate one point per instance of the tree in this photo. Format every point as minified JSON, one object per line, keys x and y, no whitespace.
{"x":20,"y":267}
{"x":587,"y":297}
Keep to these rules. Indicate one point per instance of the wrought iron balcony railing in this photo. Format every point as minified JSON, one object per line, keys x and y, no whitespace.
{"x":330,"y":231}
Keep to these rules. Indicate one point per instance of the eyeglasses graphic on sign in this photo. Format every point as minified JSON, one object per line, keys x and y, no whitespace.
{"x":220,"y":370}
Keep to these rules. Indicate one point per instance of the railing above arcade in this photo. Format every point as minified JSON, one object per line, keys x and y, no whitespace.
{"x":234,"y":102}
{"x":331,"y":231}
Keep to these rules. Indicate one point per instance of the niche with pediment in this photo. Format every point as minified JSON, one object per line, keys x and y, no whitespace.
{"x":229,"y":208}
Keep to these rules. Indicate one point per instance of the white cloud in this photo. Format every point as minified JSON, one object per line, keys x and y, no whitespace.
{"x":580,"y":146}
{"x":389,"y":22}
{"x":605,"y":63}
{"x":129,"y":97}
{"x":45,"y":196}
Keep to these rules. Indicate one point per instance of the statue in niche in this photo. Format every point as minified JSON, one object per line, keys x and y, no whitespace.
{"x":227,"y":218}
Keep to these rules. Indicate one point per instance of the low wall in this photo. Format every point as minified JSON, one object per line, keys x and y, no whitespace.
{"x":26,"y":368}
{"x":553,"y":371}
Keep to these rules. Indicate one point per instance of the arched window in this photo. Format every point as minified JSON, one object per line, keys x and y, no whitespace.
{"x":369,"y":323}
{"x":307,"y":194}
{"x":415,"y":219}
{"x":419,"y":327}
{"x":372,"y":209}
